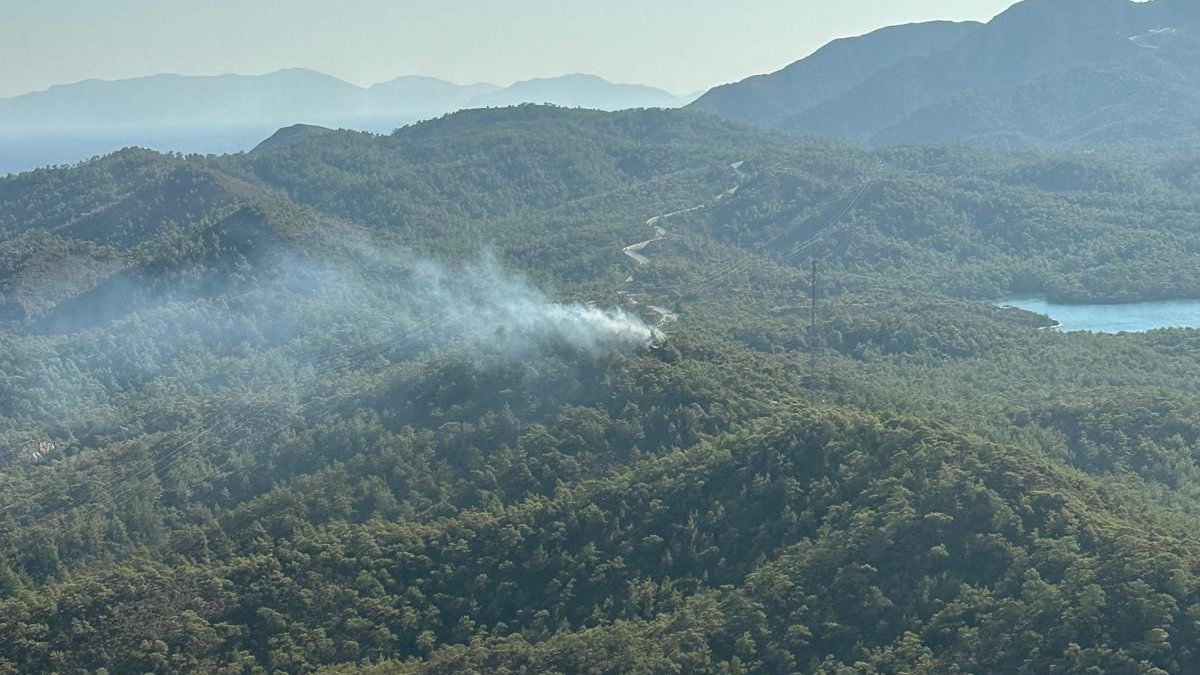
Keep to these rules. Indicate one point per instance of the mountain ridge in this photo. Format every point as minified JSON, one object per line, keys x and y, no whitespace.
{"x":354,"y":98}
{"x":230,"y":113}
{"x":850,"y":60}
{"x":966,"y":90}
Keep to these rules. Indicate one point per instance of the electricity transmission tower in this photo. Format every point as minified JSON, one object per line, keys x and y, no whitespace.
{"x":812,"y":336}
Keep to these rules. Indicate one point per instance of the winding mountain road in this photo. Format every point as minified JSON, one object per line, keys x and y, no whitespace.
{"x":634,"y":251}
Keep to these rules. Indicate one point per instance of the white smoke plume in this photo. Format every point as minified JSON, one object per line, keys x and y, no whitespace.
{"x":302,"y":321}
{"x":482,"y":303}
{"x":477,"y":304}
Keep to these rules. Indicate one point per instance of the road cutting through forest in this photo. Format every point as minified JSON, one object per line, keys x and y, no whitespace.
{"x":634,"y":251}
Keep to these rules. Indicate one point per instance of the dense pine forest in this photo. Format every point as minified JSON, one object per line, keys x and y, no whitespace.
{"x":536,"y":390}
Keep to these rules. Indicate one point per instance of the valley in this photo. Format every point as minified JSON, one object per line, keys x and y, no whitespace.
{"x":887,"y":363}
{"x":367,"y":420}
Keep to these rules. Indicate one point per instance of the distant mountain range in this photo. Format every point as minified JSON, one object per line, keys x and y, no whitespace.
{"x":296,"y":96}
{"x":1073,"y":72}
{"x":225,"y":113}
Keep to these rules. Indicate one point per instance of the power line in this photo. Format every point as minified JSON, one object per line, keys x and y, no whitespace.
{"x":812,"y":335}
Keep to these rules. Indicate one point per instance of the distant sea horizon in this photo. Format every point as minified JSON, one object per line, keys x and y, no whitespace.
{"x":21,"y":152}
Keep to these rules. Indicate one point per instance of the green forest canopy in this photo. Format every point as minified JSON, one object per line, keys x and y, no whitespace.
{"x":241,"y":432}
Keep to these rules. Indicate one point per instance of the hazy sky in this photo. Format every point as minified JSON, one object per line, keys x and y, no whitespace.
{"x":682,"y":45}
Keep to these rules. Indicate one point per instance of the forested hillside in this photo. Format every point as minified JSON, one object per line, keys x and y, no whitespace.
{"x":541,"y":390}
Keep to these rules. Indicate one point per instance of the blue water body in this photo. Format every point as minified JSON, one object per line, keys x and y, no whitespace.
{"x":1133,"y":317}
{"x":27,"y":151}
